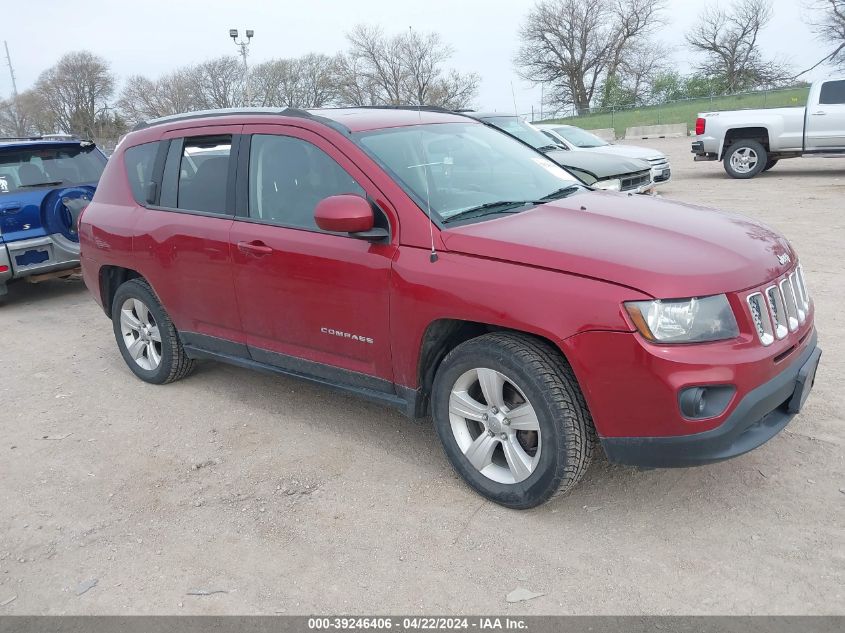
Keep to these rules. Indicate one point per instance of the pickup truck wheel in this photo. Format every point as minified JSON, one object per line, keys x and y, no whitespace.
{"x":146,"y":337}
{"x":745,"y":159}
{"x":770,"y":164}
{"x":512,"y":419}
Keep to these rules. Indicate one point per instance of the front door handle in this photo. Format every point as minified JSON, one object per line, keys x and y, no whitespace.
{"x":819,"y":113}
{"x":256,"y":247}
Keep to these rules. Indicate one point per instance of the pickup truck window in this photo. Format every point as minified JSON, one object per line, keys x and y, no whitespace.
{"x":457,"y":166}
{"x":833,"y":92}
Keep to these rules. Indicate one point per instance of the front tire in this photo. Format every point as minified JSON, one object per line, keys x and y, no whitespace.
{"x":745,"y":159}
{"x":512,"y":420}
{"x":146,"y":337}
{"x":771,"y":163}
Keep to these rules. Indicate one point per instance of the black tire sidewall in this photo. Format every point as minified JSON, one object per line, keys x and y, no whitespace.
{"x":771,"y":163}
{"x":137,"y":290}
{"x":543,"y":482}
{"x":762,"y":159}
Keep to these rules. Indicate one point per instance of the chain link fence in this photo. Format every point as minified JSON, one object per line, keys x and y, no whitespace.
{"x":675,"y":111}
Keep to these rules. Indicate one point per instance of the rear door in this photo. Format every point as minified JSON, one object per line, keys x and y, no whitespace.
{"x":183,"y":237}
{"x":825,"y":124}
{"x":311,"y":302}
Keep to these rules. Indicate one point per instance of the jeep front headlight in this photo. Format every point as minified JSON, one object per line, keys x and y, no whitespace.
{"x":693,"y":320}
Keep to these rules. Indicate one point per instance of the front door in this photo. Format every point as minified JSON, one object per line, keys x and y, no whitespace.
{"x":311,"y":302}
{"x":825,"y":122}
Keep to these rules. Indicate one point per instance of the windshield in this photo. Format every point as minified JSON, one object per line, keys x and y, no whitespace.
{"x":27,"y":168}
{"x":460,"y":166}
{"x":579,"y":137}
{"x":521,"y":130}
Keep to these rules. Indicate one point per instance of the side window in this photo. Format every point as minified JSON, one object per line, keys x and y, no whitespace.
{"x":289,"y":176}
{"x":833,"y":92}
{"x":139,"y":162}
{"x":204,"y":174}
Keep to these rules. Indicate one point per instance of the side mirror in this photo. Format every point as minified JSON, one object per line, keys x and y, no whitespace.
{"x":348,"y":213}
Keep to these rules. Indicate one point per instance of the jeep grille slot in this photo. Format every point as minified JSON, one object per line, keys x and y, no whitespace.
{"x":791,"y":305}
{"x":781,"y":308}
{"x":778,"y":311}
{"x":760,"y":315}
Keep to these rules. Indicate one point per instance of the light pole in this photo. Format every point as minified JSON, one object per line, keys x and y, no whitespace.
{"x":244,"y":46}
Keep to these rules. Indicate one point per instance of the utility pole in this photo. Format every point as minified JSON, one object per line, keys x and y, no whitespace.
{"x":244,"y":46}
{"x":11,"y":70}
{"x":14,"y":89}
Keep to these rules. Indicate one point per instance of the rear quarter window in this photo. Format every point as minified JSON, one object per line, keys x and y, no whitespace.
{"x":139,"y":161}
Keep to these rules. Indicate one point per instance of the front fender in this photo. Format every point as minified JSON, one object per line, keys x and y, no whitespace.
{"x":539,"y":301}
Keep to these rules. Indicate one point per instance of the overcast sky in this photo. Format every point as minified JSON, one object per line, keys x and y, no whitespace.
{"x":151,"y":37}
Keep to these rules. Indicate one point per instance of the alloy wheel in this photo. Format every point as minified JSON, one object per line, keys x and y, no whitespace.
{"x":495,"y":425}
{"x":744,"y":160}
{"x":141,"y":334}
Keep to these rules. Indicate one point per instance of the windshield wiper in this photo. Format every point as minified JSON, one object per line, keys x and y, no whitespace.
{"x":548,"y":148}
{"x":560,"y":193}
{"x":489,"y":208}
{"x":43,"y":184}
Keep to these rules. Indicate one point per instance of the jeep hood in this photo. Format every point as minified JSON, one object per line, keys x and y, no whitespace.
{"x":664,"y":249}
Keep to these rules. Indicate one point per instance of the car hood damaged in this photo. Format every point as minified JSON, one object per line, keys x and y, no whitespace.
{"x":662,"y":248}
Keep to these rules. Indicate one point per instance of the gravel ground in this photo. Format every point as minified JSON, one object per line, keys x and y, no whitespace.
{"x":288,"y":498}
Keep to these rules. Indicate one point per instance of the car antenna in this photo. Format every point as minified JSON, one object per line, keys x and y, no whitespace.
{"x":433,"y":256}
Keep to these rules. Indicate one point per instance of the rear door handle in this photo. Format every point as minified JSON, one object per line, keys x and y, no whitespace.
{"x":256,"y":247}
{"x":819,"y":113}
{"x":11,"y":207}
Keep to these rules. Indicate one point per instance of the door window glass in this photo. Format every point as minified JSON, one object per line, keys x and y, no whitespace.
{"x":204,"y":174}
{"x":833,"y":92}
{"x":289,"y":176}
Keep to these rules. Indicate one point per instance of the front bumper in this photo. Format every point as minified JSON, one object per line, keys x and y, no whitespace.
{"x":758,"y":417}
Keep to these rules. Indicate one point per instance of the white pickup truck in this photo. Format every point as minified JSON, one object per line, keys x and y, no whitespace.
{"x":751,"y":141}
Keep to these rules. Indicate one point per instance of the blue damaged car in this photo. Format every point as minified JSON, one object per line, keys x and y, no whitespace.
{"x":45,"y":183}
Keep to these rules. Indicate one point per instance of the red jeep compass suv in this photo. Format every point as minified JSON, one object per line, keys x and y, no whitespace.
{"x":425,"y":260}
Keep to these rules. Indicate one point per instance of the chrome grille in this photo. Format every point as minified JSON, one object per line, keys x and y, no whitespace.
{"x":781,"y":309}
{"x":633,"y":181}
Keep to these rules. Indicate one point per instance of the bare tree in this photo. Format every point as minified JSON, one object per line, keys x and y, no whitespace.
{"x":143,"y":98}
{"x":76,"y":90}
{"x":26,"y":115}
{"x":634,"y":21}
{"x":642,"y":64}
{"x":402,"y":69}
{"x":305,"y":82}
{"x":577,"y":46}
{"x":728,"y":38}
{"x":828,"y":23}
{"x":217,"y":83}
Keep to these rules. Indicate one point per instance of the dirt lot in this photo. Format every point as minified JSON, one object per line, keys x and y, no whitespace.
{"x":294,"y":499}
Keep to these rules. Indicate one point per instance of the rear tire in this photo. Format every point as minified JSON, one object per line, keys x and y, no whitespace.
{"x":512,"y":420}
{"x":745,"y":159}
{"x":770,"y":164}
{"x":146,"y":337}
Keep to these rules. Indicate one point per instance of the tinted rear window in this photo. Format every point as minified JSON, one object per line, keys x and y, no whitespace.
{"x":29,"y":168}
{"x":139,"y":161}
{"x":833,"y":92}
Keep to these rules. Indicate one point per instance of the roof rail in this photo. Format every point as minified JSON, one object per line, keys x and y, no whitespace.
{"x":221,"y":112}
